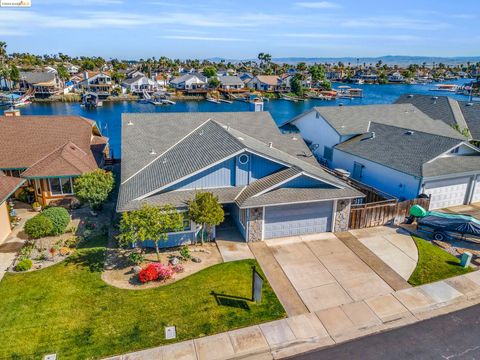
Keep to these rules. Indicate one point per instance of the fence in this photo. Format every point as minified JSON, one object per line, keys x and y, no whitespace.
{"x":383,"y":212}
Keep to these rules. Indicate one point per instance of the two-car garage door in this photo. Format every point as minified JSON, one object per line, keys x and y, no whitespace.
{"x":297,"y":219}
{"x":446,"y":193}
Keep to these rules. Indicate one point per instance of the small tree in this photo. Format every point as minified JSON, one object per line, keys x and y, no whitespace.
{"x":149,"y":223}
{"x":205,"y":210}
{"x":94,"y":187}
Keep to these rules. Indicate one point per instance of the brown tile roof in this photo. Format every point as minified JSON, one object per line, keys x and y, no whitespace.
{"x":42,"y":141}
{"x":269,"y":79}
{"x":8,"y":185}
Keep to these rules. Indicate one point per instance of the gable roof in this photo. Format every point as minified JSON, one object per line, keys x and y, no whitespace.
{"x":187,"y":143}
{"x":183,"y":78}
{"x":37,"y":77}
{"x":27,"y":140}
{"x":8,"y":185}
{"x":471,"y":114}
{"x":354,"y":120}
{"x":230,"y":80}
{"x":408,"y":151}
{"x":271,"y":80}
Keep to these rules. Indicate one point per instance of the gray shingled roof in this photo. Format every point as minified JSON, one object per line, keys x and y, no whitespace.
{"x":407,"y":153}
{"x":300,"y":195}
{"x":437,"y":107}
{"x":354,"y":120}
{"x":35,"y":77}
{"x":452,"y":165}
{"x":184,"y":143}
{"x":230,"y":80}
{"x":471,"y":114}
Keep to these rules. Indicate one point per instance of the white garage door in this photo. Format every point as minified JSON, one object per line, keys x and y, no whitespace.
{"x":476,"y":191}
{"x":298,"y":219}
{"x":446,"y":193}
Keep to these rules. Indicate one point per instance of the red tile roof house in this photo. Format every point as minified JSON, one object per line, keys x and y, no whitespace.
{"x":50,"y":151}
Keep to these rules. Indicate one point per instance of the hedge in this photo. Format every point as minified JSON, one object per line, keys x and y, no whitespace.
{"x":60,"y":219}
{"x":38,"y":226}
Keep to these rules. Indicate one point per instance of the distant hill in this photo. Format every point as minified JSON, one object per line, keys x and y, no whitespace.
{"x":388,"y":59}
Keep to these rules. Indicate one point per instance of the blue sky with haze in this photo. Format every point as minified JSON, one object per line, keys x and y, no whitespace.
{"x":242,"y":29}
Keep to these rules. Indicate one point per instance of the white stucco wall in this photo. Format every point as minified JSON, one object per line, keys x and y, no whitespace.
{"x":317,"y":131}
{"x":378,"y":176}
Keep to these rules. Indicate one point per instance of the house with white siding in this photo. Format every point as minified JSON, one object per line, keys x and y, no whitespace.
{"x":397,"y":149}
{"x":189,"y":82}
{"x":140,"y":84}
{"x":268,"y":183}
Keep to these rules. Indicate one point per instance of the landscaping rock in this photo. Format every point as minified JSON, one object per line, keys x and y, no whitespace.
{"x":136,"y":269}
{"x":196,"y":259}
{"x":174,"y":261}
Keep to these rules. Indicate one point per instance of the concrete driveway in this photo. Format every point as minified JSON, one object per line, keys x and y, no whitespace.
{"x":392,"y":245}
{"x":325,"y":272}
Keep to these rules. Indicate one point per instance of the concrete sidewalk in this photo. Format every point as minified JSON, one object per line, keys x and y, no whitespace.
{"x":327,"y":327}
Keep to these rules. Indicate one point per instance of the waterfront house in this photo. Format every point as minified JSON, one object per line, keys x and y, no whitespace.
{"x":161,"y":80}
{"x":73,"y":69}
{"x":396,"y":77}
{"x":397,"y":149}
{"x":269,"y":183}
{"x":140,"y":84}
{"x":269,"y":83}
{"x":50,"y":151}
{"x":99,"y":83}
{"x":458,"y":114}
{"x":133,"y":73}
{"x":231,"y":83}
{"x":8,"y":185}
{"x":189,"y":82}
{"x":40,"y":83}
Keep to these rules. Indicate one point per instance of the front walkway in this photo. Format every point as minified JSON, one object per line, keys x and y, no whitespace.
{"x":14,"y":242}
{"x":230,"y":242}
{"x":326,"y":327}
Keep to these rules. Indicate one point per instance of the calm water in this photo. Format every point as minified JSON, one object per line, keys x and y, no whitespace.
{"x":108,"y":116}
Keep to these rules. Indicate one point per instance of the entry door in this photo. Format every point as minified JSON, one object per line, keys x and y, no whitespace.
{"x":447,"y":193}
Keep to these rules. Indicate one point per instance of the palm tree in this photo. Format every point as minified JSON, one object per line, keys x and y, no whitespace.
{"x":3,"y":51}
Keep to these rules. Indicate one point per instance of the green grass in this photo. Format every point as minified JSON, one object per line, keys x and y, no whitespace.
{"x":67,"y":309}
{"x":434,"y":264}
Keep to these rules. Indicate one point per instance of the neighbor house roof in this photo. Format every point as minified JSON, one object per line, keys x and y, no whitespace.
{"x":8,"y":185}
{"x":46,"y":144}
{"x":271,"y":80}
{"x":354,"y":120}
{"x":37,"y":77}
{"x":410,"y":152}
{"x":230,"y":80}
{"x":452,"y":112}
{"x":186,"y":77}
{"x":161,"y":149}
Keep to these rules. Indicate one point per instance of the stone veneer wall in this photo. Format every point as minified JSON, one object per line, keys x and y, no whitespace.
{"x":342,"y":215}
{"x":255,"y":224}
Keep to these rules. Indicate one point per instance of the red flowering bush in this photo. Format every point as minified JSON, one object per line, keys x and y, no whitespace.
{"x":150,"y":273}
{"x":178,"y":269}
{"x":156,"y":271}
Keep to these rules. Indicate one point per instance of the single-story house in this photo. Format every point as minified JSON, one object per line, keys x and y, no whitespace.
{"x":8,"y":185}
{"x":231,"y":83}
{"x":50,"y":151}
{"x":265,"y":83}
{"x":269,"y":183}
{"x":461,"y":114}
{"x":397,"y":149}
{"x":189,"y":82}
{"x":139,"y":84}
{"x":396,"y":77}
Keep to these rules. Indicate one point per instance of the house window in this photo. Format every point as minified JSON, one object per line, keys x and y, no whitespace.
{"x":328,"y":153}
{"x":357,"y":171}
{"x":456,"y":150}
{"x":243,"y":217}
{"x":187,"y":225}
{"x":61,"y":186}
{"x":243,"y":159}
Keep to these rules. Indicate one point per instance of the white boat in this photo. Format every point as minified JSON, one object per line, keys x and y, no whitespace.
{"x":161,"y":102}
{"x":446,"y":87}
{"x":346,"y":92}
{"x":212,"y":100}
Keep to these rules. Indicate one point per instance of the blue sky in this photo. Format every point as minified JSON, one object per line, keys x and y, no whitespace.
{"x":241,"y":29}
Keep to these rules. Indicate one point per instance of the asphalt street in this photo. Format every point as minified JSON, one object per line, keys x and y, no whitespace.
{"x":455,"y":336}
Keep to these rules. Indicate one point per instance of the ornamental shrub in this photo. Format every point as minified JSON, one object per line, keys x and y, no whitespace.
{"x":60,"y":219}
{"x":24,"y":265}
{"x":38,"y":226}
{"x":148,"y":274}
{"x":164,"y":272}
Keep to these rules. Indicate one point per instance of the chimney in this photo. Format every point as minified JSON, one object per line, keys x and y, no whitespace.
{"x":270,"y":144}
{"x":85,"y":75}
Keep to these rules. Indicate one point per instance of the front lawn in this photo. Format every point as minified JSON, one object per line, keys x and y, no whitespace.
{"x":434,"y":264}
{"x":67,"y":309}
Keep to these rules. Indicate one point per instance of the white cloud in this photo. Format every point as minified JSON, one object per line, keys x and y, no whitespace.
{"x":199,"y":38}
{"x":389,"y":22}
{"x":351,"y":36}
{"x":318,"y":5}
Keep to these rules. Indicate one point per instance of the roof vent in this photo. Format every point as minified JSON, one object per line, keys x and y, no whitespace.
{"x":469,"y":104}
{"x":294,"y":138}
{"x":164,"y":161}
{"x":434,"y":97}
{"x":152,"y":152}
{"x":270,"y":144}
{"x":201,"y":132}
{"x":130,"y":122}
{"x":340,"y":104}
{"x":410,"y":96}
{"x":240,"y":138}
{"x":409,"y":132}
{"x":372,"y":136}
